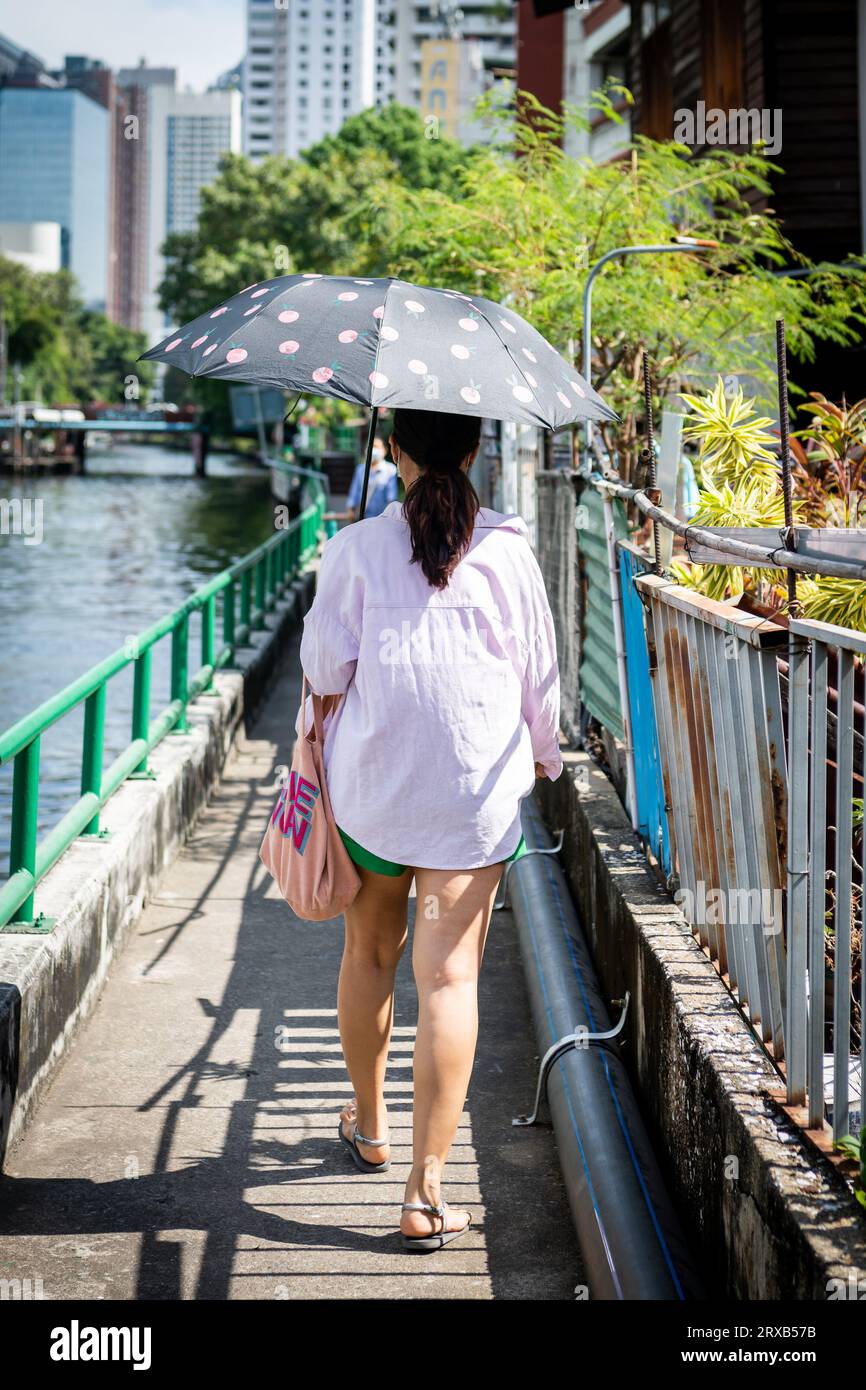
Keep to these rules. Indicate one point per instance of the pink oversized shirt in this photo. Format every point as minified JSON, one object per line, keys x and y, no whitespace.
{"x":451,"y":696}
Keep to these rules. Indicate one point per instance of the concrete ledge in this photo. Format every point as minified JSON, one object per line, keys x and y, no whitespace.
{"x":769,"y":1219}
{"x":97,"y":890}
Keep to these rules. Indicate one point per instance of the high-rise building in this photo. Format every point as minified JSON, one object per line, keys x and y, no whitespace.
{"x":485,"y":25}
{"x":55,"y":167}
{"x":174,"y":144}
{"x":309,"y":65}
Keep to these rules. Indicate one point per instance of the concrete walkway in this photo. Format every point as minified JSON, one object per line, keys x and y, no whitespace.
{"x":181,"y":1154}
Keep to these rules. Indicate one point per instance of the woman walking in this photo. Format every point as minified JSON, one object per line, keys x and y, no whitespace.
{"x":432,"y":620}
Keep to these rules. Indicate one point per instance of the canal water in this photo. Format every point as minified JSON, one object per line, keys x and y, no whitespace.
{"x":120,"y":548}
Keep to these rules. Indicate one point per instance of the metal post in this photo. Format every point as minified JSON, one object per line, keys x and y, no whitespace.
{"x":229,"y":617}
{"x":91,"y":762}
{"x":25,"y":809}
{"x":179,"y":671}
{"x":141,"y":702}
{"x":371,"y":435}
{"x":787,"y":486}
{"x":649,"y":459}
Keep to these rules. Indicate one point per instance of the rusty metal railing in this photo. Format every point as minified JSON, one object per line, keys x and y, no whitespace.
{"x":719,"y":718}
{"x":823,"y":916}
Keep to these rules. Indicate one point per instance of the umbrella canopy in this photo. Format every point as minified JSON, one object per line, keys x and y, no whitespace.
{"x":385,"y":343}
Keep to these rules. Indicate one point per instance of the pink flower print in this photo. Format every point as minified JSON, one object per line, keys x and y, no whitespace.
{"x":347,"y":296}
{"x":390,"y":334}
{"x":530,"y":356}
{"x":379,"y":380}
{"x":362,"y":282}
{"x":348,"y":335}
{"x":258,"y":294}
{"x":379,"y":312}
{"x":509,"y":327}
{"x":173,"y":344}
{"x":254,"y":310}
{"x":459,"y":351}
{"x":288,"y":316}
{"x":519,"y":391}
{"x":564,"y":398}
{"x":469,"y":325}
{"x":289,"y":346}
{"x":417,"y":367}
{"x":208,"y":350}
{"x":322,"y":375}
{"x":198,"y":342}
{"x":314,"y":275}
{"x":470,"y":394}
{"x":236,"y":355}
{"x":216,"y":313}
{"x":414,"y":307}
{"x":578,"y":389}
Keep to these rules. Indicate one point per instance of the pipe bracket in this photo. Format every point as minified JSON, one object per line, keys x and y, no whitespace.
{"x":553,"y":849}
{"x":581,"y":1039}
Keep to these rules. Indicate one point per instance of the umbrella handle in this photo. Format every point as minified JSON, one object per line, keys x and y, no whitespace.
{"x":374,"y":417}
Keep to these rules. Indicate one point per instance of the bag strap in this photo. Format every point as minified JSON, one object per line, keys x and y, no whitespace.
{"x":317,"y":712}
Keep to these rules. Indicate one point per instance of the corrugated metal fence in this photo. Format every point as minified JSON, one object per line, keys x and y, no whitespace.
{"x":722,"y":705}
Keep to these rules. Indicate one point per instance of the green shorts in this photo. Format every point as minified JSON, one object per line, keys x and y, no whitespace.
{"x":362,"y":856}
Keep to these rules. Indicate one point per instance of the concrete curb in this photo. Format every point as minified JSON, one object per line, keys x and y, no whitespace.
{"x":769,"y":1219}
{"x":97,"y":890}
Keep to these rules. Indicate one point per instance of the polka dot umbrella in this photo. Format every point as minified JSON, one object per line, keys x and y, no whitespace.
{"x":385,"y":343}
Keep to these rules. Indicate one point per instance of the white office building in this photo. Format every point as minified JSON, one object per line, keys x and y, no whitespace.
{"x":486,"y":27}
{"x":182,"y":136}
{"x":309,"y":65}
{"x":595,"y":52}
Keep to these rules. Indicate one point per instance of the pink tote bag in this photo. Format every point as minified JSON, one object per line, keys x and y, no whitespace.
{"x":302,"y":847}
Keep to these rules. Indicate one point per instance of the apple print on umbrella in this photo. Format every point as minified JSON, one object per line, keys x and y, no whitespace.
{"x":380,"y":343}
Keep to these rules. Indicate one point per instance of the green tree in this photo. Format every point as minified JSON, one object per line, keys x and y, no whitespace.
{"x":286,"y":215}
{"x":64,"y":352}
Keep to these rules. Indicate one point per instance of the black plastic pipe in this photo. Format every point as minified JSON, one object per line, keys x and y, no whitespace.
{"x":628,"y":1231}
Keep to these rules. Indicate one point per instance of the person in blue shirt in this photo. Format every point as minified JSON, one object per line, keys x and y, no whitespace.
{"x":381,"y":488}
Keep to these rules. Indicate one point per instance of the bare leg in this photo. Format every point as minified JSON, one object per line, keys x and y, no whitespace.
{"x":375,"y":939}
{"x":451,"y":921}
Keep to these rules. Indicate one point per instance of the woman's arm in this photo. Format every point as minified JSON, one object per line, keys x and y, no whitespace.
{"x":541,"y":690}
{"x":331,"y":637}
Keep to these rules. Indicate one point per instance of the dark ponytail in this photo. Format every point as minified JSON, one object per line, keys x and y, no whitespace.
{"x":441,"y":505}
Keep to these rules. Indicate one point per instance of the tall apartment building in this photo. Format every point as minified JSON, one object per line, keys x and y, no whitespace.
{"x":309,"y":65}
{"x":486,"y":26}
{"x":55,"y":167}
{"x":174,"y":142}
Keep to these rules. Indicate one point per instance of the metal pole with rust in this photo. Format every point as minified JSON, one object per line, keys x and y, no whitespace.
{"x":648,"y":458}
{"x":787,"y":484}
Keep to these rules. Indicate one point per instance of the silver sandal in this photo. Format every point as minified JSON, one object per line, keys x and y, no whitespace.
{"x":422,"y":1244}
{"x":364,"y":1164}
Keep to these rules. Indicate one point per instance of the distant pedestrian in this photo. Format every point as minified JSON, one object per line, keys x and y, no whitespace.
{"x":381,"y":488}
{"x":433,"y":623}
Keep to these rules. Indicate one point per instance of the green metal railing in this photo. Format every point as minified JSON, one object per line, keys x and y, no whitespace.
{"x":248,"y":589}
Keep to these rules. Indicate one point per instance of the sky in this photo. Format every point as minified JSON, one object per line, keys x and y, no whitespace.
{"x":201,"y":38}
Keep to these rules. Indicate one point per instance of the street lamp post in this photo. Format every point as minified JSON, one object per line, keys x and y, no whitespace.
{"x":684,"y":244}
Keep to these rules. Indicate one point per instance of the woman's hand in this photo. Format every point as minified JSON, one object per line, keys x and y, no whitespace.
{"x":539,"y":770}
